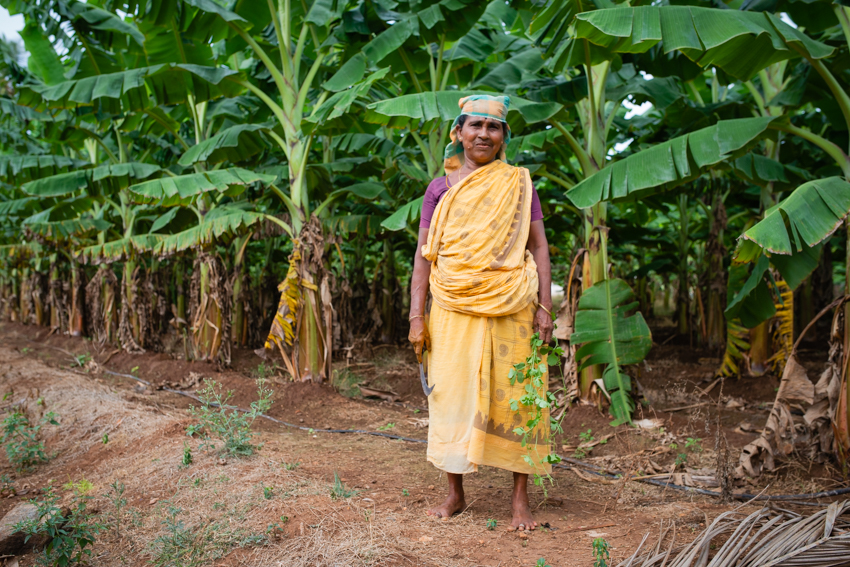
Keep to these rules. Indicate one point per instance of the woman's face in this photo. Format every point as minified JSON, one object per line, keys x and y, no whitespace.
{"x":481,"y":138}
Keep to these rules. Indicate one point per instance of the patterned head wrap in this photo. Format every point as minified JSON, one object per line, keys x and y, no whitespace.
{"x":495,"y":107}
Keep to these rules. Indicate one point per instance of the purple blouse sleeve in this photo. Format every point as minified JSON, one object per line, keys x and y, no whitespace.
{"x":536,"y":209}
{"x":432,"y":197}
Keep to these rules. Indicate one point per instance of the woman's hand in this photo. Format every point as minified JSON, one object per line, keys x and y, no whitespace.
{"x":419,"y":336}
{"x":543,"y":324}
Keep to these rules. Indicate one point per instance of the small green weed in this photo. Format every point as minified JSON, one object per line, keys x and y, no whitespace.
{"x":542,"y":563}
{"x":134,"y":371}
{"x":20,"y":439}
{"x":268,"y":492}
{"x":225,"y":423}
{"x":82,"y":486}
{"x":81,"y":360}
{"x":105,"y":438}
{"x":386,"y":427}
{"x":338,"y":490}
{"x":693,"y":444}
{"x":7,"y":487}
{"x":586,"y":436}
{"x":405,"y":492}
{"x":291,"y":466}
{"x":187,"y":456}
{"x":681,"y":459}
{"x":71,"y":536}
{"x":116,"y":496}
{"x":491,"y":524}
{"x":600,"y":552}
{"x":346,"y":382}
{"x":265,"y":371}
{"x":26,"y":350}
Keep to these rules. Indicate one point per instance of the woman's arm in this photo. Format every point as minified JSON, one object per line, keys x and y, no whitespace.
{"x":419,"y":282}
{"x":539,"y":248}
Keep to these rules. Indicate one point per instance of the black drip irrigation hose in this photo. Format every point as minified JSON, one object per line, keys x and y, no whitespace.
{"x":572,"y":462}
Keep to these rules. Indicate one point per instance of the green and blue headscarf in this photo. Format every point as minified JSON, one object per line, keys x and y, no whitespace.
{"x":495,"y":107}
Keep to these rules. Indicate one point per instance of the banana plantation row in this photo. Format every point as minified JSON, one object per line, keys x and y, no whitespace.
{"x":239,"y":172}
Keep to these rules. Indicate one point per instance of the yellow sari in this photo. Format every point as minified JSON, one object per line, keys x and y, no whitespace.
{"x":484,"y":285}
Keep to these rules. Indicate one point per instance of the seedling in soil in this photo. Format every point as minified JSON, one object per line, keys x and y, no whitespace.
{"x":386,"y":427}
{"x":693,"y":444}
{"x":72,"y":534}
{"x":187,"y":456}
{"x":681,"y":459}
{"x":134,"y":371}
{"x":82,"y":486}
{"x":116,"y":496}
{"x":291,"y":466}
{"x":268,"y":492}
{"x":105,"y":438}
{"x":542,"y":563}
{"x":227,"y":424}
{"x":266,"y":371}
{"x":25,"y":350}
{"x":20,"y":439}
{"x":600,"y":552}
{"x":405,"y":492}
{"x":338,"y":490}
{"x":491,"y":524}
{"x":586,"y":436}
{"x":81,"y":360}
{"x":7,"y":487}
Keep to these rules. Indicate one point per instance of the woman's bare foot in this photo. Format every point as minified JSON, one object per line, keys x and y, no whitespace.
{"x":454,"y":503}
{"x":522,"y":518}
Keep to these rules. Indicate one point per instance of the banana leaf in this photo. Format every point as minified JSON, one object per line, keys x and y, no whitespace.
{"x":671,"y":163}
{"x":806,"y":218}
{"x":405,"y":214}
{"x":119,"y":250}
{"x":19,"y":169}
{"x":225,"y":221}
{"x":609,"y":335}
{"x":738,"y":42}
{"x":184,"y":189}
{"x":234,"y":144}
{"x":103,"y":180}
{"x":134,"y":89}
{"x":64,"y":229}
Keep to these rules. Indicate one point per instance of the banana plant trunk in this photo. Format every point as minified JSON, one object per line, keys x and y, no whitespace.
{"x":388,"y":312}
{"x":716,"y":293}
{"x":78,"y":294}
{"x":593,"y":270}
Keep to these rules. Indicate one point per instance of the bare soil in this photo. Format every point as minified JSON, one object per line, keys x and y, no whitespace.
{"x":288,"y":482}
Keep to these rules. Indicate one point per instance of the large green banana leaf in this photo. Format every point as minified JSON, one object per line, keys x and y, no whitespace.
{"x":741,"y":43}
{"x":806,"y":218}
{"x":442,"y":106}
{"x":43,"y":61}
{"x":337,"y":105}
{"x":753,"y":303}
{"x":220,"y":222}
{"x":119,"y":250}
{"x":609,"y":335}
{"x":18,"y":169}
{"x":184,"y":189}
{"x":234,"y":144}
{"x":105,"y":179}
{"x":405,"y":214}
{"x":134,"y":89}
{"x":17,"y":207}
{"x":64,"y":229}
{"x":671,"y":163}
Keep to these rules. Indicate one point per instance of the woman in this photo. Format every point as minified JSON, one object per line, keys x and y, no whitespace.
{"x":483,"y":254}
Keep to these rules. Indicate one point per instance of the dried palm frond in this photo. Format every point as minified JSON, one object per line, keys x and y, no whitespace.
{"x":737,"y":343}
{"x":783,"y":328}
{"x":766,"y":538}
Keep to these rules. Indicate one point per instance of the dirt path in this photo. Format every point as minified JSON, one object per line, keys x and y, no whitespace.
{"x":289,"y":481}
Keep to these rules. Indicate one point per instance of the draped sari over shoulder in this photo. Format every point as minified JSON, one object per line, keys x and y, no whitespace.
{"x":484,"y":286}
